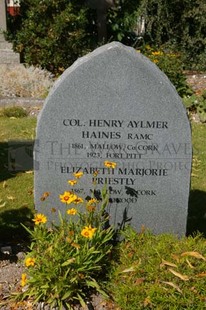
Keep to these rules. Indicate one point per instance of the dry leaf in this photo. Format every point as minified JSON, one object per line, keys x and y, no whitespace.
{"x":201,"y":275}
{"x":190,"y":265}
{"x":166,"y":263}
{"x":11,"y":198}
{"x":4,"y":184}
{"x":176,"y":257}
{"x":3,"y":205}
{"x":29,"y":171}
{"x":147,"y":302}
{"x":193,"y":254}
{"x":179,"y":275}
{"x":30,"y":192}
{"x":131,"y":269}
{"x":173,"y":285}
{"x":139,"y":281}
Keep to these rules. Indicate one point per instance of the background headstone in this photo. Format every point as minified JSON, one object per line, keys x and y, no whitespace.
{"x":7,"y":55}
{"x":115,"y":104}
{"x":2,"y":16}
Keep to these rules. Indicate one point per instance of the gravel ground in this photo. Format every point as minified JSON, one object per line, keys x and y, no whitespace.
{"x":11,"y":268}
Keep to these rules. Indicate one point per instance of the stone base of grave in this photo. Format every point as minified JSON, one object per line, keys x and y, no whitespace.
{"x":7,"y":55}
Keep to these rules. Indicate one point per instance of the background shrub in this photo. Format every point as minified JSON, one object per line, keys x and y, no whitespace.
{"x":171,"y":64}
{"x":53,"y":34}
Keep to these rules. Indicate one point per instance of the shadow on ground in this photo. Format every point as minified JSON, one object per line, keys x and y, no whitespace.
{"x":11,"y":229}
{"x":197,"y":213}
{"x":15,"y":156}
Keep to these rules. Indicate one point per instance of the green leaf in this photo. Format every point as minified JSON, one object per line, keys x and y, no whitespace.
{"x":93,"y":284}
{"x":104,"y":191}
{"x":68,"y":262}
{"x":66,"y":295}
{"x":81,"y":300}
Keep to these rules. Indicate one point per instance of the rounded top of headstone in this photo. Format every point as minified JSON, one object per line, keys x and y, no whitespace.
{"x":114,"y":60}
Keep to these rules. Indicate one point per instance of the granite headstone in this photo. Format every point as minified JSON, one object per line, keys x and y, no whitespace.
{"x":114,"y":104}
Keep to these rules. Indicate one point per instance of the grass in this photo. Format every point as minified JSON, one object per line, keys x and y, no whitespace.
{"x":16,"y":187}
{"x":159,"y":272}
{"x":199,"y":155}
{"x":197,"y":201}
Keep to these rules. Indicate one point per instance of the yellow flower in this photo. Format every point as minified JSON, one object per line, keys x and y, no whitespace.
{"x":30,"y":261}
{"x":157,"y":53}
{"x":39,"y":219}
{"x":88,"y":232}
{"x":72,"y":182}
{"x":72,"y":211}
{"x":68,"y":197}
{"x":78,"y":175}
{"x":155,"y":61}
{"x":23,"y":279}
{"x":78,"y":200}
{"x":110,"y":164}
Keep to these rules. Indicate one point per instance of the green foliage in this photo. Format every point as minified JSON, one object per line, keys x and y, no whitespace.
{"x":196,"y":104}
{"x":122,"y":20}
{"x":159,"y":272}
{"x":193,"y":34}
{"x":170,"y":63}
{"x":54,"y":33}
{"x":17,"y":112}
{"x":180,"y":24}
{"x":69,"y":261}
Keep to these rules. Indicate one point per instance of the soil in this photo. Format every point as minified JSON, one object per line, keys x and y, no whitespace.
{"x":12,"y":255}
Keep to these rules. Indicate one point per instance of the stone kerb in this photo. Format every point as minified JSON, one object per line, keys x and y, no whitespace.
{"x":7,"y":55}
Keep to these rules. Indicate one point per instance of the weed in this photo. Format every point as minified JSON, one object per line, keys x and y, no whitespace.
{"x":16,"y":112}
{"x":196,"y":104}
{"x":170,"y":63}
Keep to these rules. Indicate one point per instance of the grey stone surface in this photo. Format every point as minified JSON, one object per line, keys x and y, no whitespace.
{"x":2,"y":15}
{"x":114,"y":104}
{"x":7,"y":55}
